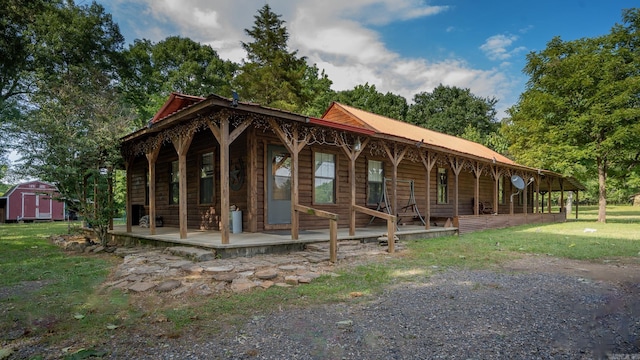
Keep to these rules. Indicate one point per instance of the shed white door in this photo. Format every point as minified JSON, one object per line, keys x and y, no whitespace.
{"x":44,"y":206}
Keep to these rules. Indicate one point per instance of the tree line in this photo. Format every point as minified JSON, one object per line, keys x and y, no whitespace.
{"x":70,"y":88}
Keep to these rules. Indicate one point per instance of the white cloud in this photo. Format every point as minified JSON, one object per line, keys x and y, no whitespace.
{"x":334,"y":35}
{"x":496,"y":47}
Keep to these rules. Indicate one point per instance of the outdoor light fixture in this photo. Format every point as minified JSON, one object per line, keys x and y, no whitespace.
{"x":357,"y":145}
{"x":234,"y":102}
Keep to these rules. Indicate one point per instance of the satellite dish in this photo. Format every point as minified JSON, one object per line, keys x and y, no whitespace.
{"x":517,"y":182}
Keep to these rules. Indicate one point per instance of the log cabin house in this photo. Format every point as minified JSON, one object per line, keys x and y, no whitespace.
{"x":198,"y":157}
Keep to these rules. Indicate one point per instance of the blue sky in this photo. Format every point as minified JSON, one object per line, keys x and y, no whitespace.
{"x":401,"y":46}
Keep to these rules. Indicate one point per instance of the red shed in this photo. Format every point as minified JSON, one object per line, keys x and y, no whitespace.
{"x":33,"y":200}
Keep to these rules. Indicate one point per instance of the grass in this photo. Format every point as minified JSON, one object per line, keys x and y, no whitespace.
{"x":71,"y":282}
{"x":46,"y":291}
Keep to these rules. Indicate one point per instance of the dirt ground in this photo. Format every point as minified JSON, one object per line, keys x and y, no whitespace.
{"x":620,"y":270}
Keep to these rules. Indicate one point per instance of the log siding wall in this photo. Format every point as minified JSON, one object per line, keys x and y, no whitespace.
{"x":208,"y":216}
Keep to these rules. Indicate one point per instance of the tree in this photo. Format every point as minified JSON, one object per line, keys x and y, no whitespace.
{"x":177,"y":64}
{"x":74,"y":117}
{"x":18,"y":36}
{"x":451,"y":110}
{"x":271,"y":75}
{"x":17,"y":61}
{"x":316,"y":87}
{"x":368,"y":98}
{"x":581,"y":105}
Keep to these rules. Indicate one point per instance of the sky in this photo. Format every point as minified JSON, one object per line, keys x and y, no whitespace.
{"x":401,"y":46}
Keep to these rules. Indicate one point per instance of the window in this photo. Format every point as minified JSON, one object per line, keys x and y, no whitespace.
{"x":174,"y":183}
{"x":324,"y":178}
{"x":281,"y":175}
{"x":206,"y":178}
{"x":501,"y":198}
{"x":375,"y":181}
{"x":443,"y":197}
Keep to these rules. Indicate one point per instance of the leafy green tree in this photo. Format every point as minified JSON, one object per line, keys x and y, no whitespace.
{"x":271,"y":75}
{"x":74,"y":117}
{"x":368,"y":98}
{"x":582,"y":105}
{"x":18,"y":62}
{"x":175,"y":64}
{"x":316,"y":88}
{"x":450,"y":110}
{"x":18,"y":38}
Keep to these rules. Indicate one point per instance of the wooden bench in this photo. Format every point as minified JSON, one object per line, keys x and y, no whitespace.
{"x":484,"y":207}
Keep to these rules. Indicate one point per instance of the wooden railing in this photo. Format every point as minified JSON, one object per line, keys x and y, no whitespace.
{"x":391,"y":223}
{"x":333,"y":227}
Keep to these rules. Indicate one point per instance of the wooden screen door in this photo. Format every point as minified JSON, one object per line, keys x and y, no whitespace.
{"x":278,"y":185}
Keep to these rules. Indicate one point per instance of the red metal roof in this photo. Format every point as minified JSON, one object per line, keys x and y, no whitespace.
{"x":174,"y":103}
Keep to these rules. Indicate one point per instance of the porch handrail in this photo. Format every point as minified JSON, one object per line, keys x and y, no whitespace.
{"x":391,"y":223}
{"x":333,"y":227}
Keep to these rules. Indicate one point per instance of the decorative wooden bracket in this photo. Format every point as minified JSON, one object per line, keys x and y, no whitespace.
{"x":152,"y":158}
{"x":294,"y":144}
{"x":353,"y":155}
{"x":181,"y":143}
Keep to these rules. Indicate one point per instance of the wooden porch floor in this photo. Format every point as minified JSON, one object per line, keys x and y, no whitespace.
{"x":248,"y":244}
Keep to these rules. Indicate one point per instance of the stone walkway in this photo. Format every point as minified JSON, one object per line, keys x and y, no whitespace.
{"x":181,"y":270}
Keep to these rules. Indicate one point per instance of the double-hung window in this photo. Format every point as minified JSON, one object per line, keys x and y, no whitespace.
{"x":443,"y":193}
{"x":375,"y":181}
{"x":324,"y":178}
{"x":174,"y":183}
{"x":206,"y":178}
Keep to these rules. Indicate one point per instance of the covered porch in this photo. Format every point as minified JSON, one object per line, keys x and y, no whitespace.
{"x":276,"y":241}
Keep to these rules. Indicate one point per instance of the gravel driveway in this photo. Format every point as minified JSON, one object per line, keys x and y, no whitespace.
{"x":457,"y":314}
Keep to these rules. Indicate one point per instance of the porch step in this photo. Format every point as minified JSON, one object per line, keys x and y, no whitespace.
{"x":384,"y":239}
{"x":192,"y":253}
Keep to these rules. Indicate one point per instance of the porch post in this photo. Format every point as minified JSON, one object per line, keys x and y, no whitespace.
{"x":352,"y":154}
{"x":511,"y":198}
{"x":549,"y":197}
{"x":477,"y":171}
{"x":152,"y":157}
{"x":428,"y":161}
{"x":561,"y":195}
{"x":252,"y":181}
{"x":295,"y":193}
{"x":525,"y":200}
{"x":396,"y":157}
{"x":577,"y":201}
{"x":537,"y":194}
{"x":294,"y":145}
{"x":181,"y":143}
{"x":221,"y":133}
{"x":127,"y":169}
{"x":496,"y":188}
{"x":456,"y":166}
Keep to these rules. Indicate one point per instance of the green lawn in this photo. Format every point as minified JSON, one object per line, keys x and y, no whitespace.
{"x":67,"y":303}
{"x":45,"y":291}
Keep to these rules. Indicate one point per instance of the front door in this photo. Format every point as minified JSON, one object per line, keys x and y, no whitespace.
{"x":278,"y":185}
